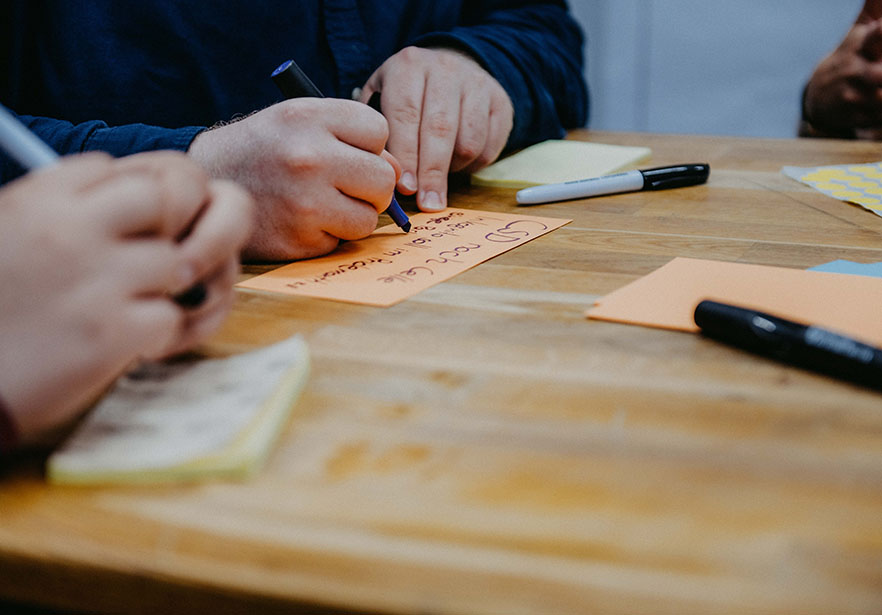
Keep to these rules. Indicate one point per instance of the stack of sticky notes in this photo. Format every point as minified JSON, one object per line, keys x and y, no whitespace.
{"x":187,"y":420}
{"x":557,"y":161}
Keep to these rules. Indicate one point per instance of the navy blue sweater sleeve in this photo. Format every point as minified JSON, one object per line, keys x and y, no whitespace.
{"x":535,"y":51}
{"x":67,"y":138}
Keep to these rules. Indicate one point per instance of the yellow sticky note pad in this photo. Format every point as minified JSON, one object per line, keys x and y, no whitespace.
{"x":187,"y":420}
{"x":860,"y":184}
{"x":556,"y":161}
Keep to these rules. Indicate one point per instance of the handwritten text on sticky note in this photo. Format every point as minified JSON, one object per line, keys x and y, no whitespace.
{"x":389,"y":265}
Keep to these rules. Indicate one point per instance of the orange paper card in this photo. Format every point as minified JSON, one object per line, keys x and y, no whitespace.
{"x":390,"y":266}
{"x":667,"y":297}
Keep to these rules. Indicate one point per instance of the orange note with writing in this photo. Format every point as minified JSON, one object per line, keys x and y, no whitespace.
{"x":390,"y":266}
{"x":667,"y":297}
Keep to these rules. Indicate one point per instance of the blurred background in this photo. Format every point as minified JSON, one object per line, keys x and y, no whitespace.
{"x":705,"y":66}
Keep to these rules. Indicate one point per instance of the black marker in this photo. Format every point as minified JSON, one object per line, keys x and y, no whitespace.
{"x":293,"y":83}
{"x":805,"y":346}
{"x":660,"y":178}
{"x":32,"y":153}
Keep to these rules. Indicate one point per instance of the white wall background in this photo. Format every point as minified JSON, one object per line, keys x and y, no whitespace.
{"x":706,"y":66}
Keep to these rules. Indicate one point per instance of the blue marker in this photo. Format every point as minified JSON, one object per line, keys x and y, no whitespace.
{"x":293,"y":83}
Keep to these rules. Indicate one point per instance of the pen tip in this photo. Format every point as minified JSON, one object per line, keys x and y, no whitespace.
{"x":406,"y":227}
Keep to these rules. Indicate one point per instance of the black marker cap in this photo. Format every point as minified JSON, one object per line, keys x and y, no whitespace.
{"x":680,"y":176}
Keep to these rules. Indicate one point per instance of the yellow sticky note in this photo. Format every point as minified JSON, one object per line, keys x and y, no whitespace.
{"x":187,"y":420}
{"x":556,"y":161}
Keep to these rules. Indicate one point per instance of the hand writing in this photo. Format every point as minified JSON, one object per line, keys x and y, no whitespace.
{"x":315,"y":167}
{"x":91,"y":254}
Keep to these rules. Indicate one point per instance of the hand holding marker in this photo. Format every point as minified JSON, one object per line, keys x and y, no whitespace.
{"x":32,"y":153}
{"x":293,"y":83}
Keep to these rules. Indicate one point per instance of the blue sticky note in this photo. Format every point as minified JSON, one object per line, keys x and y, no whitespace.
{"x":841,"y":266}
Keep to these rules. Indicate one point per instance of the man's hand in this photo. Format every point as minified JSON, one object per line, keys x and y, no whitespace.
{"x":446,"y":114}
{"x":844,"y":95}
{"x":315,"y":167}
{"x":871,"y":11}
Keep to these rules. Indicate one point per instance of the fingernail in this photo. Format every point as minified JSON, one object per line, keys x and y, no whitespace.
{"x":409,"y":181}
{"x":430,"y":201}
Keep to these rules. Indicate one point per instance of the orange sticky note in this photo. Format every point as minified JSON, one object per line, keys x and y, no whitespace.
{"x":667,"y":297}
{"x":389,"y":265}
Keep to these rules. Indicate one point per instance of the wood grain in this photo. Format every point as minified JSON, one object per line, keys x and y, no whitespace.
{"x":483,"y":448}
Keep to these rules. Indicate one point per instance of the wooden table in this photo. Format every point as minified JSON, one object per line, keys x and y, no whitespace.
{"x":483,"y":448}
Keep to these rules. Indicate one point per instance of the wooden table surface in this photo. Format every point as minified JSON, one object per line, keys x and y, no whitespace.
{"x":483,"y":448}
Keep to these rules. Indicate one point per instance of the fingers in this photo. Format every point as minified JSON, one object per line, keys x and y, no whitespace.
{"x":447,"y":114}
{"x":471,"y":140}
{"x":220,"y":231}
{"x":148,"y":267}
{"x":871,"y":10}
{"x":370,"y":179}
{"x":403,"y":111}
{"x":158,"y":193}
{"x":437,"y":136}
{"x":396,"y":166}
{"x":154,"y":326}
{"x":128,"y":205}
{"x":499,"y":127}
{"x":350,"y":219}
{"x":871,"y":45}
{"x":182,"y":188}
{"x":198,"y":324}
{"x":351,"y":122}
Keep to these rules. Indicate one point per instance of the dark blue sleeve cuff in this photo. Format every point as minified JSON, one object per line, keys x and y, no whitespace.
{"x":547,"y":89}
{"x":134,"y":138}
{"x":67,"y":138}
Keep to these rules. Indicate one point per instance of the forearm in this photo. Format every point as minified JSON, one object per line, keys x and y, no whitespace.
{"x":534,"y":50}
{"x":67,"y":138}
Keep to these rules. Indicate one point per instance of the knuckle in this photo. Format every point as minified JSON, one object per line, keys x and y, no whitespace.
{"x":468,"y":148}
{"x":431,"y":174}
{"x":851,"y":96}
{"x":409,"y":112}
{"x":412,"y":54}
{"x":293,"y":111}
{"x":302,"y":158}
{"x":440,"y":125}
